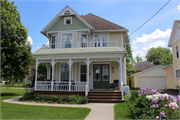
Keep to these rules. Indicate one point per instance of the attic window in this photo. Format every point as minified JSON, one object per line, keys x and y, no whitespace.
{"x":67,"y":12}
{"x":67,"y":20}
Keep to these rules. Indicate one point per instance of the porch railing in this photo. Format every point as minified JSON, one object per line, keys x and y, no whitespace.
{"x":121,"y":88}
{"x":80,"y":45}
{"x":87,"y":89}
{"x":60,"y":86}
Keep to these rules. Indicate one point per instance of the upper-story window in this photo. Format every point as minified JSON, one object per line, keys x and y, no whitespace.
{"x":67,"y":40}
{"x":101,"y":40}
{"x":178,"y":73}
{"x":53,"y":42}
{"x":67,"y":20}
{"x":84,"y":40}
{"x":177,"y":51}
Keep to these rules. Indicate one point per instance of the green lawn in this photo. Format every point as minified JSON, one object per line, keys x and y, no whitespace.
{"x":17,"y":111}
{"x":121,"y":112}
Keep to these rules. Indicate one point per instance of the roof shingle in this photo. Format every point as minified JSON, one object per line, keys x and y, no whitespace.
{"x":101,"y":24}
{"x":142,"y":66}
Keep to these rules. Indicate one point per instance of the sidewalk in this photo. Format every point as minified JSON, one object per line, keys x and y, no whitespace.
{"x":99,"y":111}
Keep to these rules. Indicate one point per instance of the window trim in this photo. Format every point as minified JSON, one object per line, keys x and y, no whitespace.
{"x":80,"y":72}
{"x":68,"y":33}
{"x":176,"y":73}
{"x":83,"y":33}
{"x":67,"y":18}
{"x":101,"y":38}
{"x":177,"y":51}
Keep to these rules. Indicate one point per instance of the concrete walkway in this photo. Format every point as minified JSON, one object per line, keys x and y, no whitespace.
{"x":99,"y":111}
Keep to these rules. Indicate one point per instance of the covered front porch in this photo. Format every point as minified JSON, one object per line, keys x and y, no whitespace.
{"x":86,"y":74}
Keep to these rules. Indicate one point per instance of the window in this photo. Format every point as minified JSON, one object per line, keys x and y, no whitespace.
{"x":67,"y":20}
{"x":53,"y":42}
{"x":64,"y":72}
{"x":84,"y":40}
{"x":101,"y":40}
{"x":178,"y":73}
{"x":67,"y":12}
{"x":177,"y":51}
{"x":83,"y":73}
{"x":67,"y":40}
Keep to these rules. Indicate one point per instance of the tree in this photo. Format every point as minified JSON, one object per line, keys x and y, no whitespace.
{"x":15,"y":49}
{"x":129,"y":60}
{"x":138,"y":59}
{"x":159,"y":56}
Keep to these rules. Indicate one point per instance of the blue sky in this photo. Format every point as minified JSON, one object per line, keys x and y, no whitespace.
{"x":36,"y":14}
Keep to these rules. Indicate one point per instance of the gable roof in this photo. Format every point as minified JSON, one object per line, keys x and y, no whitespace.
{"x":171,"y":65}
{"x":175,"y":25}
{"x":142,"y":65}
{"x":99,"y":23}
{"x":60,"y":14}
{"x":147,"y":70}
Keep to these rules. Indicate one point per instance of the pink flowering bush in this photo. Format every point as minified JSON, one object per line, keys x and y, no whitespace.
{"x":150,"y":104}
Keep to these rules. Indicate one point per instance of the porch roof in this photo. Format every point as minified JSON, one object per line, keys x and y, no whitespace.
{"x":80,"y":50}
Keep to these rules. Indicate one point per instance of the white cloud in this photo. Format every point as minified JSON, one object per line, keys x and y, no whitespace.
{"x":29,"y":40}
{"x":47,"y":42}
{"x":138,"y":53}
{"x":38,"y":48}
{"x":134,"y":47}
{"x":147,"y":41}
{"x":178,"y":7}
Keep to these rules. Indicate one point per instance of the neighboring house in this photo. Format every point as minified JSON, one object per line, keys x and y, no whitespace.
{"x":28,"y":79}
{"x":173,"y":71}
{"x":142,"y":66}
{"x":84,"y":53}
{"x":149,"y":76}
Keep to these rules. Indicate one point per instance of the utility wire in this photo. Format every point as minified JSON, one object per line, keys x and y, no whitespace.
{"x":150,"y":18}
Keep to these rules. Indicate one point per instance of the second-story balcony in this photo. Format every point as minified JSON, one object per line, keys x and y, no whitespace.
{"x":79,"y":45}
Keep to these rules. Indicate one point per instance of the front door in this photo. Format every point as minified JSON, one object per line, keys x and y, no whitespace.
{"x":101,"y":76}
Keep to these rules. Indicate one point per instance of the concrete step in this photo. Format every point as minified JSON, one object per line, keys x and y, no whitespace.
{"x":106,"y":100}
{"x":105,"y":97}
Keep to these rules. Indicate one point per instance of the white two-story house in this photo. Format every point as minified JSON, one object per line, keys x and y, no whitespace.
{"x":84,"y":54}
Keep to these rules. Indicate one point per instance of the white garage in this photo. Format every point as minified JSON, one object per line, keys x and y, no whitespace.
{"x":152,"y":82}
{"x":154,"y":78}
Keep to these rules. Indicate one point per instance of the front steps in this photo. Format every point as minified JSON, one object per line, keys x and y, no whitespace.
{"x":105,"y":96}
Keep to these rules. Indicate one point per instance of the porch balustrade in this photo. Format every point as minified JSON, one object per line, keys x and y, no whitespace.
{"x":79,"y":45}
{"x":60,"y":86}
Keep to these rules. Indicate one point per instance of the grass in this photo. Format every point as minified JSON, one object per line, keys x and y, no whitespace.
{"x":17,"y":111}
{"x":121,"y":112}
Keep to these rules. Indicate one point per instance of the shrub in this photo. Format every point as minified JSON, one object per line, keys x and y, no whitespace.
{"x":46,"y":98}
{"x":49,"y":101}
{"x":54,"y":97}
{"x":78,"y":99}
{"x":38,"y":97}
{"x":27,"y":84}
{"x":152,"y":105}
{"x":63,"y":102}
{"x":42,"y":101}
{"x":27,"y":96}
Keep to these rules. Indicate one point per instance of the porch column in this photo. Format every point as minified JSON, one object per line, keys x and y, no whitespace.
{"x":52,"y":75}
{"x":124,"y":77}
{"x":36,"y":73}
{"x":70,"y":74}
{"x":120,"y":69}
{"x":75,"y":71}
{"x":87,"y":71}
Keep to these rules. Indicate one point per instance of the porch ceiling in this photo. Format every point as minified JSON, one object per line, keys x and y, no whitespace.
{"x":81,"y":50}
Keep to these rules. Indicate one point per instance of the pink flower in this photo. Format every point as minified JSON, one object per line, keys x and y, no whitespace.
{"x":152,"y":106}
{"x":174,"y":108}
{"x":157,"y":117}
{"x":166,"y":105}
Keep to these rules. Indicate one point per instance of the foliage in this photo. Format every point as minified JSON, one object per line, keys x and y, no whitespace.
{"x":138,"y":59}
{"x":16,"y":50}
{"x":78,"y":99}
{"x":54,"y":98}
{"x":46,"y":98}
{"x":149,"y":104}
{"x":27,"y":96}
{"x":129,"y":60}
{"x":42,"y":69}
{"x":135,"y":88}
{"x":159,"y":56}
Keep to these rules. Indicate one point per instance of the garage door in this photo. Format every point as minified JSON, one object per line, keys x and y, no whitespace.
{"x":152,"y":82}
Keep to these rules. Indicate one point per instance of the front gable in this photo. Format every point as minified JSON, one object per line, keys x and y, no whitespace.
{"x":76,"y":24}
{"x":157,"y":71}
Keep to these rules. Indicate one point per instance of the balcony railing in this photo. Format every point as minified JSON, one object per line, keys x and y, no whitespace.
{"x":80,"y":45}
